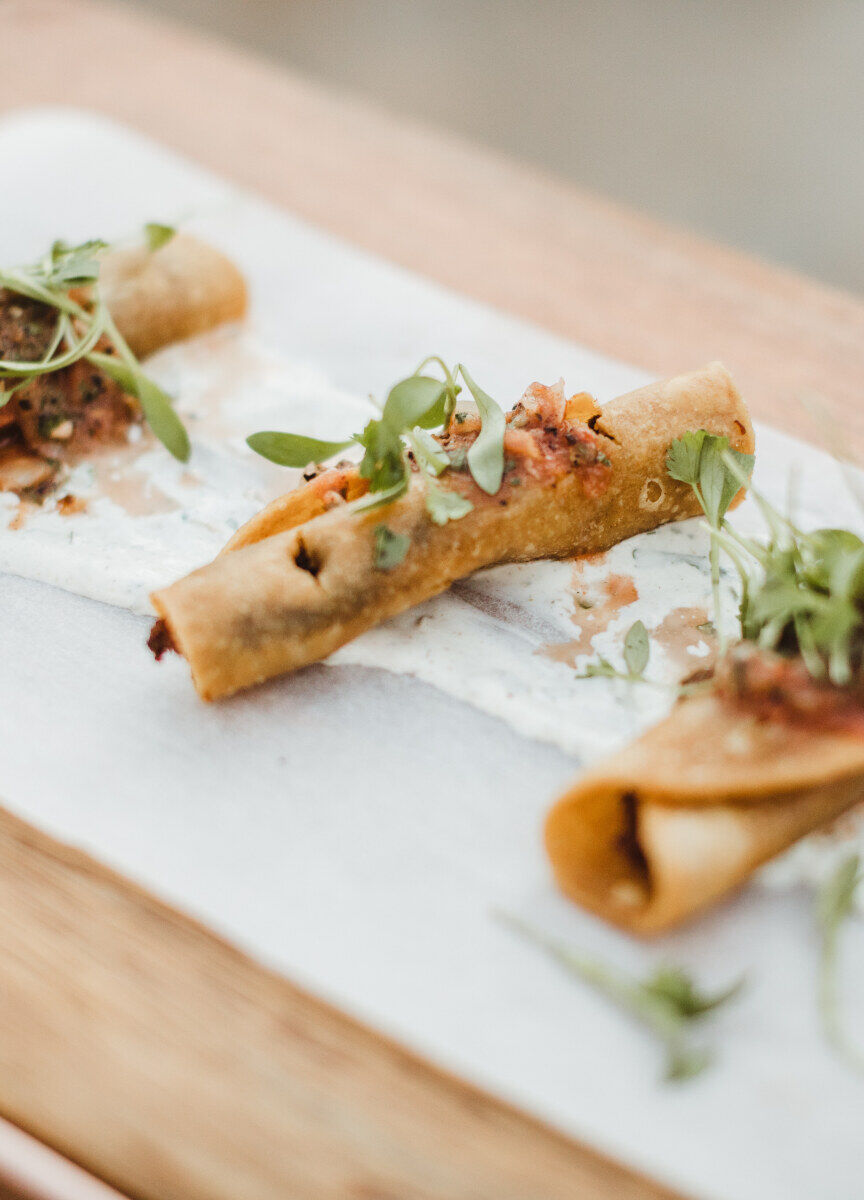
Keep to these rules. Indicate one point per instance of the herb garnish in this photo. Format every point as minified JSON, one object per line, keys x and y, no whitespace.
{"x":668,"y":1003}
{"x":298,"y":452}
{"x":414,"y":406}
{"x":82,"y":321}
{"x":486,"y":456}
{"x":801,"y":593}
{"x":390,"y":547}
{"x":637,"y":650}
{"x":702,"y":459}
{"x":834,"y":903}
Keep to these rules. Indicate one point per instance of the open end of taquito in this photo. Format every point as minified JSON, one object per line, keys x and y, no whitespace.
{"x":687,"y":812}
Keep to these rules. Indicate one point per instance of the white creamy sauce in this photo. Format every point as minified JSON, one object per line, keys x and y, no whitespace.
{"x":150,"y":519}
{"x":513,"y":640}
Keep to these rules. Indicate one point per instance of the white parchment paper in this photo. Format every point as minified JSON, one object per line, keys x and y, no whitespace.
{"x":367,"y":823}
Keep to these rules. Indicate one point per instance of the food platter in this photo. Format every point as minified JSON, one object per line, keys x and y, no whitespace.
{"x":328,"y":825}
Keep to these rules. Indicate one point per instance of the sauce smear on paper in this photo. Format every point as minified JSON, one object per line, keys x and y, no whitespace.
{"x":596,"y":608}
{"x":678,"y":634}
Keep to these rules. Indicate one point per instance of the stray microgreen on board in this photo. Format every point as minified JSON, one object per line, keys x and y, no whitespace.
{"x":667,"y":1003}
{"x":637,"y":650}
{"x":835,"y":902}
{"x":84,"y":321}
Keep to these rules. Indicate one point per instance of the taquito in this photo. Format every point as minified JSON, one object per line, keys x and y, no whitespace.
{"x":302,"y":579}
{"x":687,"y":812}
{"x":155,"y":298}
{"x":163,"y":296}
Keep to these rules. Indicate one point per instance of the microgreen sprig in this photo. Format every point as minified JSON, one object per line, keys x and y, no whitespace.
{"x":667,"y":1003}
{"x":637,"y":650}
{"x":702,"y":460}
{"x":414,"y":406}
{"x":834,"y":904}
{"x":81,"y":323}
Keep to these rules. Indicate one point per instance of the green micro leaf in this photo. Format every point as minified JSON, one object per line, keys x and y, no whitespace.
{"x":380,"y":499}
{"x":667,"y":1004}
{"x":444,"y":505}
{"x":390,"y":547}
{"x":716,"y":474}
{"x":486,"y":456}
{"x":156,"y":404}
{"x":636,"y":649}
{"x":701,"y":459}
{"x":430,"y":455}
{"x":383,"y":464}
{"x":834,"y":904}
{"x":417,"y":400}
{"x":684,"y":455}
{"x":157,"y":235}
{"x":293,"y":449}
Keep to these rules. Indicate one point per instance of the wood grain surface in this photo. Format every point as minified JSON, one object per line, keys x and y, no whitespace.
{"x":168,"y":1063}
{"x":131,"y":1038}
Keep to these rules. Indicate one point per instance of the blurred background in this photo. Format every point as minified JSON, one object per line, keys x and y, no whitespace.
{"x":742,"y":121}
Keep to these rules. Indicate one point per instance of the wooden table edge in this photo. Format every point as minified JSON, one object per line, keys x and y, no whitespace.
{"x":97,"y":941}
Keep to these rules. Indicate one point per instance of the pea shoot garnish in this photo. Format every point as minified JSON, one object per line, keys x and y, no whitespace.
{"x":834,"y":904}
{"x":668,"y":1003}
{"x":414,"y":407}
{"x":637,"y":651}
{"x":66,"y":280}
{"x":703,"y":460}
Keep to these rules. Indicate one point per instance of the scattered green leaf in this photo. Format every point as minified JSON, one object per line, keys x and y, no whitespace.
{"x":292,"y":449}
{"x":430,"y":454}
{"x":667,"y":1004}
{"x":390,"y":547}
{"x":444,"y":505}
{"x":156,"y":404}
{"x":715,"y":472}
{"x":417,"y":400}
{"x":486,"y":456}
{"x":158,"y":235}
{"x":636,"y":650}
{"x":834,"y":904}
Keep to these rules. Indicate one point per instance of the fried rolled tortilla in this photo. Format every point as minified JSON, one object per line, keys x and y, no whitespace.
{"x":304,"y":578}
{"x":690,"y":810}
{"x":163,"y":296}
{"x":155,"y":298}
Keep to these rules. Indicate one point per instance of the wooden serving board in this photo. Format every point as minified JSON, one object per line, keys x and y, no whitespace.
{"x":135,"y":1040}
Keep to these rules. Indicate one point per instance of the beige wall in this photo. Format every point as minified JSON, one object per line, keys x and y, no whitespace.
{"x":741,"y":120}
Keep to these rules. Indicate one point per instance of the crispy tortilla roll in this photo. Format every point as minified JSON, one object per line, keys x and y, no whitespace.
{"x":183,"y":288}
{"x":155,"y":297}
{"x":687,"y":812}
{"x":289,"y":593}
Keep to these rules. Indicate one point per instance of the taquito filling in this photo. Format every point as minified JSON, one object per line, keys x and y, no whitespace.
{"x":774,"y":687}
{"x":70,"y":382}
{"x":546,"y":436}
{"x":58,"y":417}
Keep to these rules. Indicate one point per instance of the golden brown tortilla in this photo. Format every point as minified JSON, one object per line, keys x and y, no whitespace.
{"x":163,"y":296}
{"x":291,"y":593}
{"x":687,"y":812}
{"x":155,"y":297}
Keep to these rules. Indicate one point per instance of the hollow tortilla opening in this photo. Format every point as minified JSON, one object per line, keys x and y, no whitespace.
{"x":596,"y":848}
